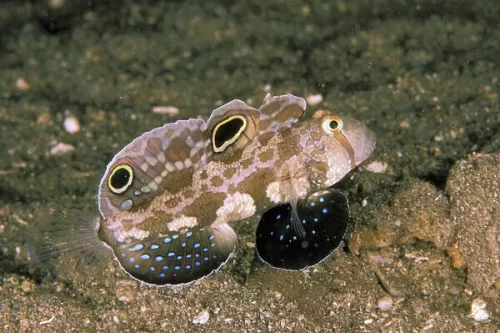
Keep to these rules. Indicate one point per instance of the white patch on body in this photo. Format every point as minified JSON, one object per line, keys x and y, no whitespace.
{"x":182,"y":222}
{"x":273,"y":192}
{"x":134,"y":233}
{"x":235,"y":207}
{"x":338,"y":167}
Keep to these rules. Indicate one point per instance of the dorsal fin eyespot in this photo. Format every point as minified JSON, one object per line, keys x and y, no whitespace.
{"x":226,"y":132}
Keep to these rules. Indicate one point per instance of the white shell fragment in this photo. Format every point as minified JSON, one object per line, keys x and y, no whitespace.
{"x":313,"y":100}
{"x":22,"y":84}
{"x":169,"y":110}
{"x":377,"y":167}
{"x":61,"y":149}
{"x":385,"y":303}
{"x":202,"y":318}
{"x":71,"y":125}
{"x":478,"y":310}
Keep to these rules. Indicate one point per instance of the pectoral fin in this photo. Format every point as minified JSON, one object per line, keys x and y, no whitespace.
{"x":286,"y":243}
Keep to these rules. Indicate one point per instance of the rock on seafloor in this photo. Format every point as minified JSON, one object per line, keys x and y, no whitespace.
{"x":474,"y":190}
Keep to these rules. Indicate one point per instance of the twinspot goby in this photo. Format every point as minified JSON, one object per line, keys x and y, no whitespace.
{"x":167,"y":200}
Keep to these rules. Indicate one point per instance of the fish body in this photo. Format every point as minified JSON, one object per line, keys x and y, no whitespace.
{"x":168,"y":199}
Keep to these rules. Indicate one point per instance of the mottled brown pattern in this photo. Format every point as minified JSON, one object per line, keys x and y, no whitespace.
{"x":229,"y":172}
{"x":205,"y":208}
{"x":178,"y":150}
{"x":179,"y":180}
{"x":265,"y":137}
{"x":316,"y":136}
{"x":216,"y":181}
{"x":291,"y":148}
{"x":266,"y":156}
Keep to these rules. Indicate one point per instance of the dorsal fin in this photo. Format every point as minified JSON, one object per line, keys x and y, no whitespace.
{"x":280,"y":112}
{"x":163,"y":159}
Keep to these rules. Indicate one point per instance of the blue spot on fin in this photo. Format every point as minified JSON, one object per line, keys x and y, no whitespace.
{"x":180,"y":260}
{"x":326,"y":215}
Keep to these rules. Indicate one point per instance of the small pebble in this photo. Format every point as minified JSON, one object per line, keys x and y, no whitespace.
{"x":385,"y":303}
{"x":170,"y":110}
{"x":61,"y":148}
{"x":22,"y":84}
{"x":56,"y":4}
{"x":478,"y":310}
{"x":71,"y":125}
{"x":202,"y":317}
{"x":377,"y":167}
{"x":313,"y":100}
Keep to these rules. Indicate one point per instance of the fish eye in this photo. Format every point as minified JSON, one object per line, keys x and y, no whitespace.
{"x":227,"y":132}
{"x":120,"y":178}
{"x":332,"y":124}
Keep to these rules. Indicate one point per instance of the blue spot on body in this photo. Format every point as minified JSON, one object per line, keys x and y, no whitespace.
{"x":171,"y":254}
{"x":324,"y":211}
{"x":183,"y":244}
{"x":197,"y":255}
{"x":162,"y":275}
{"x":313,"y":204}
{"x":179,"y":257}
{"x":158,"y":258}
{"x":281,"y":237}
{"x":136,"y":266}
{"x":278,"y":217}
{"x":287,"y":226}
{"x":177,"y":268}
{"x":123,"y":255}
{"x":136,"y":247}
{"x":188,"y":256}
{"x":188,"y":267}
{"x":211,"y":237}
{"x":197,"y":263}
{"x":294,"y":237}
{"x":189,"y":234}
{"x":153,"y":247}
{"x":212,"y":245}
{"x":152,"y":269}
{"x":316,"y":219}
{"x":314,"y":232}
{"x":166,"y":240}
{"x":205,"y":250}
{"x":175,"y":236}
{"x":165,"y":268}
{"x":205,"y":258}
{"x":131,"y":259}
{"x":215,"y":257}
{"x":271,"y":233}
{"x":321,"y":199}
{"x":196,"y":245}
{"x":145,"y":256}
{"x":304,"y":221}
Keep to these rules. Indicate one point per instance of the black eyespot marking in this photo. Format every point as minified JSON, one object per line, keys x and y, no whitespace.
{"x":121,"y":178}
{"x":227,"y":132}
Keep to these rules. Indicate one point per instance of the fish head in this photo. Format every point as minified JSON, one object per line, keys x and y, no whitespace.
{"x":333,"y":146}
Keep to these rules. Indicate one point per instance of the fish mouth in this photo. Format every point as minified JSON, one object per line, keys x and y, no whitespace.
{"x":361,"y":139}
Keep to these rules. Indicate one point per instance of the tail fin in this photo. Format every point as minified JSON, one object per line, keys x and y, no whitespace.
{"x":66,"y":243}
